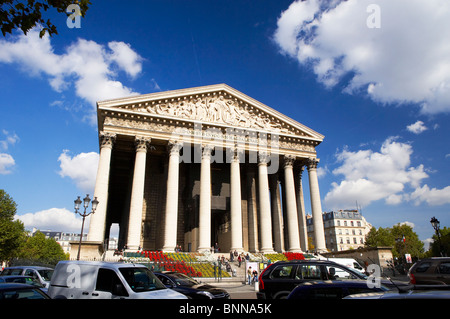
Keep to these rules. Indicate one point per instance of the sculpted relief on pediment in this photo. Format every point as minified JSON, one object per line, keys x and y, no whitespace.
{"x":217,"y":109}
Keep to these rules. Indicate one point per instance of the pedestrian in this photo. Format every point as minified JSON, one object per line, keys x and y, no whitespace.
{"x":249,"y":275}
{"x":239,"y":261}
{"x":255,"y":276}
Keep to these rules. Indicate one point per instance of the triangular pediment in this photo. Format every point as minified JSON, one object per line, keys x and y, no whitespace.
{"x":216,"y":105}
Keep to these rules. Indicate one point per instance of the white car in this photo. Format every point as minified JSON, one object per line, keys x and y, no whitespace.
{"x":105,"y":280}
{"x":42,"y":274}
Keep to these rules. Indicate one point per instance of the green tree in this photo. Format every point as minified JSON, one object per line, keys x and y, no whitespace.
{"x":24,"y":15}
{"x":401,"y":238}
{"x":12,"y":232}
{"x":41,"y":249}
{"x":435,"y":249}
{"x":406,"y":241}
{"x":380,"y":237}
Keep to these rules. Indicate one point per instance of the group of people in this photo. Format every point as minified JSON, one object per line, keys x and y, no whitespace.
{"x":239,"y":257}
{"x":252,"y":275}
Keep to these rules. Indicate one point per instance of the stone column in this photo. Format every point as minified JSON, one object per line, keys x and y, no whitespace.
{"x":204,"y":240}
{"x":275,"y":200}
{"x":316,"y":206}
{"x":252,"y":209}
{"x":291,"y":205}
{"x":137,"y":194}
{"x":301,"y":210}
{"x":98,"y":219}
{"x":170,"y":231}
{"x":235,"y":203}
{"x":264,"y":204}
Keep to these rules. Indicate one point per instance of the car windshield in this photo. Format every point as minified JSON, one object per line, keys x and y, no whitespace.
{"x":141,"y":279}
{"x":46,"y":274}
{"x":183,"y":280}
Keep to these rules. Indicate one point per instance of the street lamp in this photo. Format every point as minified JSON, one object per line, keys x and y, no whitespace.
{"x":85,"y":202}
{"x":436,"y":225}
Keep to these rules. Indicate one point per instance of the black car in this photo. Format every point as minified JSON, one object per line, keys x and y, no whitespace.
{"x":190,"y":287}
{"x":332,"y":289}
{"x":280,"y":278}
{"x":21,"y":291}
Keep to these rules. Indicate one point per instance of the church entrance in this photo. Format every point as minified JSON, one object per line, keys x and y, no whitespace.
{"x":221,"y":230}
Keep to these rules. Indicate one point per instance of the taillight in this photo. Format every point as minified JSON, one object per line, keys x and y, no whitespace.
{"x":261,"y":282}
{"x":412,"y":279}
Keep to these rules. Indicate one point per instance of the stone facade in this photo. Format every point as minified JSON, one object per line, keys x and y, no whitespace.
{"x":201,"y":166}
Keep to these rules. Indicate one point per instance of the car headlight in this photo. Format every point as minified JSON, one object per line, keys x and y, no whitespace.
{"x":206,"y":294}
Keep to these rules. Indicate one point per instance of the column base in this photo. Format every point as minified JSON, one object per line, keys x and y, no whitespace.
{"x":90,"y":250}
{"x":267,"y":251}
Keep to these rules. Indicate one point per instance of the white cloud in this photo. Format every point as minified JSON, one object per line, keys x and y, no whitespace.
{"x":82,"y":169}
{"x":410,"y":224}
{"x":56,"y":219}
{"x":432,"y":196}
{"x":125,"y":57}
{"x":417,"y":127}
{"x":406,"y":60}
{"x":88,"y":66}
{"x":370,"y":176}
{"x":10,"y":139}
{"x":6,"y":163}
{"x":6,"y":160}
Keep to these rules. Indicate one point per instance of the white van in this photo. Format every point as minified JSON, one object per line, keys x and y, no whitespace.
{"x":105,"y":280}
{"x":348,"y":262}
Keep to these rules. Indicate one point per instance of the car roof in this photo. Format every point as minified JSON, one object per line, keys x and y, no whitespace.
{"x":334,"y":283}
{"x":306,"y":261}
{"x":15,"y":276}
{"x":101,"y":263}
{"x":28,"y":267}
{"x":14,"y":285}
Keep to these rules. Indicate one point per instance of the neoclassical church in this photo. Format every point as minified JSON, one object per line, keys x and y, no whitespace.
{"x":202,"y":167}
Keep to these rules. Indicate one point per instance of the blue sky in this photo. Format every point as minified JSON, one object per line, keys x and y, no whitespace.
{"x":372,"y":76}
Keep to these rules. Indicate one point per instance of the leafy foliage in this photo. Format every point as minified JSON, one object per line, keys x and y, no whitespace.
{"x":25,"y":15}
{"x":401,"y":237}
{"x":12,"y":232}
{"x":42,"y":249}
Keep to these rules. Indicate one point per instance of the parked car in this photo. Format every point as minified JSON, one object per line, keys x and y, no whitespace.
{"x":332,"y":289}
{"x":190,"y":287}
{"x":22,"y":280}
{"x":105,"y":280}
{"x":21,"y":291}
{"x":430,"y":271}
{"x":413,"y":292}
{"x":43,"y":274}
{"x":280,"y":278}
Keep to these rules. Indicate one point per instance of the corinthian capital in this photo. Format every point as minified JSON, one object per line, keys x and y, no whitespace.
{"x":141,"y":143}
{"x":174,"y":147}
{"x":289,"y":160}
{"x":107,"y":139}
{"x":207,"y":149}
{"x":312,"y":163}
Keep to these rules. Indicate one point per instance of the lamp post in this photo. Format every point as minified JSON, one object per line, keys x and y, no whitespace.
{"x":85,"y":203}
{"x":436,"y":225}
